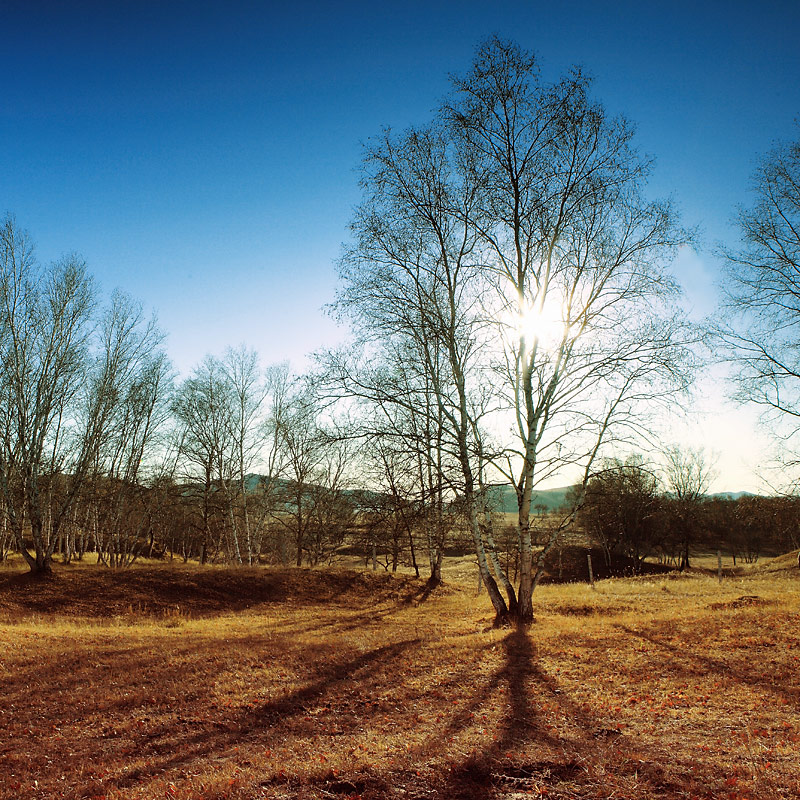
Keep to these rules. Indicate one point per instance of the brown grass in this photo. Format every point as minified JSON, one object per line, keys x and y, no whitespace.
{"x":190,"y":683}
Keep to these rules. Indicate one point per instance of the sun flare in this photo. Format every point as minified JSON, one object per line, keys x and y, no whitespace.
{"x":540,"y":325}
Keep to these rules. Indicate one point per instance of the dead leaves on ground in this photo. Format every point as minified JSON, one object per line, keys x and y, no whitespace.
{"x":366,"y":694}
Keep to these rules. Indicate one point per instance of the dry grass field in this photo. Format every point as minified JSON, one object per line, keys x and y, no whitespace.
{"x":162,"y":682}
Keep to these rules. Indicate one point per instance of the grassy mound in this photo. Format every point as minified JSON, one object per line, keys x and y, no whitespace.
{"x":96,"y":592}
{"x":785,"y":563}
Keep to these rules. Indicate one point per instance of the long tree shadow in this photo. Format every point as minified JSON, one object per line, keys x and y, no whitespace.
{"x":521,"y":725}
{"x":698,"y":665}
{"x":159,"y":708}
{"x":527,"y":754}
{"x":544,"y":736}
{"x":341,"y":623}
{"x":265,"y":718}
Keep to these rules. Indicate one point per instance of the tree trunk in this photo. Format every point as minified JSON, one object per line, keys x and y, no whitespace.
{"x":435,"y":577}
{"x":495,"y":595}
{"x":497,"y":567}
{"x":685,"y":555}
{"x":413,"y":552}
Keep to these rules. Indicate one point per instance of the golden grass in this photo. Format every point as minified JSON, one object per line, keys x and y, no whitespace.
{"x":190,"y":683}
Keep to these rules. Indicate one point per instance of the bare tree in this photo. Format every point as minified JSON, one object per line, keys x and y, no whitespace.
{"x":249,"y":433}
{"x":132,"y":383}
{"x":521,"y":210}
{"x":406,"y":449}
{"x":305,"y":493}
{"x":332,"y":506}
{"x":762,"y":292}
{"x":688,"y":473}
{"x":231,"y":416}
{"x":411,"y":286}
{"x":202,"y":408}
{"x":45,"y":330}
{"x":271,"y":455}
{"x":305,"y":448}
{"x":6,"y":537}
{"x":395,"y":511}
{"x":576,"y":256}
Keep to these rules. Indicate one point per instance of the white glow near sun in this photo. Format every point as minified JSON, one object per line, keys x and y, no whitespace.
{"x":544,"y":325}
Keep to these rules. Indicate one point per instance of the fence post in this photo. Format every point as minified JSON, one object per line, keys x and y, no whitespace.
{"x":591,"y":573}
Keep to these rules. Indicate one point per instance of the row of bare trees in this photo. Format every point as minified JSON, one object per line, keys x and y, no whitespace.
{"x":101,"y":451}
{"x":96,"y":441}
{"x":82,"y":400}
{"x":513,"y":317}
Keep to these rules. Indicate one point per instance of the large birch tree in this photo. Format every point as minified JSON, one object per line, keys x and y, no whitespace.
{"x":513,"y":238}
{"x":761,"y":313}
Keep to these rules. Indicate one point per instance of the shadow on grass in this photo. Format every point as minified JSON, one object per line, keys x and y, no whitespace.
{"x":151,"y":716}
{"x":120,"y":706}
{"x":752,"y":673}
{"x":527,"y":754}
{"x":266,"y":718}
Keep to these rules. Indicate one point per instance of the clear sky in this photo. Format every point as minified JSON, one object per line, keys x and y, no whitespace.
{"x":201,"y":155}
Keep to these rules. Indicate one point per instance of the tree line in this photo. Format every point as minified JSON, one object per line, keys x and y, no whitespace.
{"x":513,"y":318}
{"x":633,"y":511}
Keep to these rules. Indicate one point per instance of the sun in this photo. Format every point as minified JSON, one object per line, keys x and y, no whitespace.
{"x":541,"y":324}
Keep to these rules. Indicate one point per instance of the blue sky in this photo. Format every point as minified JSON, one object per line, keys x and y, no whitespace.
{"x":202,"y":155}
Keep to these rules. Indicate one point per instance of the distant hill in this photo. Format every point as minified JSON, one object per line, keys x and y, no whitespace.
{"x":730,"y":495}
{"x":359,"y":497}
{"x":504,"y":499}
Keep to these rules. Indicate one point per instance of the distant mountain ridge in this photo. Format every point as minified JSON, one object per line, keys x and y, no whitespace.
{"x":504,"y":498}
{"x":731,"y":495}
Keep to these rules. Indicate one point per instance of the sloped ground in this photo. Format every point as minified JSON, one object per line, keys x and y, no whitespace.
{"x":784,"y":563}
{"x":189,"y":591}
{"x":314,"y":684}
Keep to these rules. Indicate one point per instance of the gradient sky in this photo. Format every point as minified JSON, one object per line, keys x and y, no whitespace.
{"x":202,"y":156}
